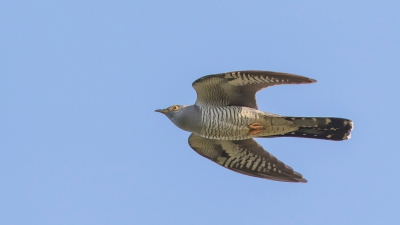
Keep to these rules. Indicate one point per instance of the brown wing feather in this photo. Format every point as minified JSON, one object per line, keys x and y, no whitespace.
{"x":240,"y":87}
{"x":246,"y":157}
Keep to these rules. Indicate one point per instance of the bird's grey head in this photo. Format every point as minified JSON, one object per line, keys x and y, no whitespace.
{"x":172,"y":112}
{"x":185,"y":117}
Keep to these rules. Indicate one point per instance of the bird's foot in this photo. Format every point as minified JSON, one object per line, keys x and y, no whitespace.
{"x":255,"y":128}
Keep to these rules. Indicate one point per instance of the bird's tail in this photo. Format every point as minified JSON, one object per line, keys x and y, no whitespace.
{"x":336,"y":129}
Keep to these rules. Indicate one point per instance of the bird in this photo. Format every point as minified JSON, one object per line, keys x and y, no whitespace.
{"x":225,"y":119}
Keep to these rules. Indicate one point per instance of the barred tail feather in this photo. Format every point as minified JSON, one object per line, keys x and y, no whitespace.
{"x":336,"y":129}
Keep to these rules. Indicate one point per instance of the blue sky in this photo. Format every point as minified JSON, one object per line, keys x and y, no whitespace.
{"x":80,"y":142}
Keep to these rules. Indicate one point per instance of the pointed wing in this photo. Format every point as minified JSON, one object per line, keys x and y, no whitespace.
{"x":240,"y":87}
{"x":246,"y":157}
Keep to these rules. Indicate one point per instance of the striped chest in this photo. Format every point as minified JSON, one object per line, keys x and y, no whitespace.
{"x":227,"y":122}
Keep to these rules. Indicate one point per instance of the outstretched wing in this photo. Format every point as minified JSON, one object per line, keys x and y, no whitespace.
{"x":246,"y":157}
{"x":239,"y":88}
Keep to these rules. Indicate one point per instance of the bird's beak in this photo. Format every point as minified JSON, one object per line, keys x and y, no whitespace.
{"x":163,"y":111}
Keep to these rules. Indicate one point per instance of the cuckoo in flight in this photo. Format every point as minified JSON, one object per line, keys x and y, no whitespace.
{"x":225,"y":119}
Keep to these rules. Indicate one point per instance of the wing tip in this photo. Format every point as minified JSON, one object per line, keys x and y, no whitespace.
{"x":300,"y":79}
{"x":303,"y":180}
{"x":299,"y":178}
{"x":312,"y":80}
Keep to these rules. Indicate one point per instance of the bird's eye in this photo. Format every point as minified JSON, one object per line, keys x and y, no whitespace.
{"x":174,"y":108}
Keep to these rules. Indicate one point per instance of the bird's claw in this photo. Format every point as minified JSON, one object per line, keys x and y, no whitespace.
{"x":255,"y":128}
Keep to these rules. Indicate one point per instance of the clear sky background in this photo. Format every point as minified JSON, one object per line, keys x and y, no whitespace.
{"x":81,"y":144}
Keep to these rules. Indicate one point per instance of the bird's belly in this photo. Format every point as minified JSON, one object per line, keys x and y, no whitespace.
{"x":232,"y":124}
{"x":226,"y":131}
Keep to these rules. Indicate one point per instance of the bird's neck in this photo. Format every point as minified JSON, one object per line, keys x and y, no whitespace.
{"x":189,"y":119}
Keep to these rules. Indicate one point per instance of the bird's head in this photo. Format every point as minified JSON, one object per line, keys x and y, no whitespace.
{"x":171,"y":111}
{"x":186,"y":117}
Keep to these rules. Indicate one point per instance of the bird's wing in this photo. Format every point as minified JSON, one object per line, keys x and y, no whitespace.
{"x":246,"y":157}
{"x":239,"y":88}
